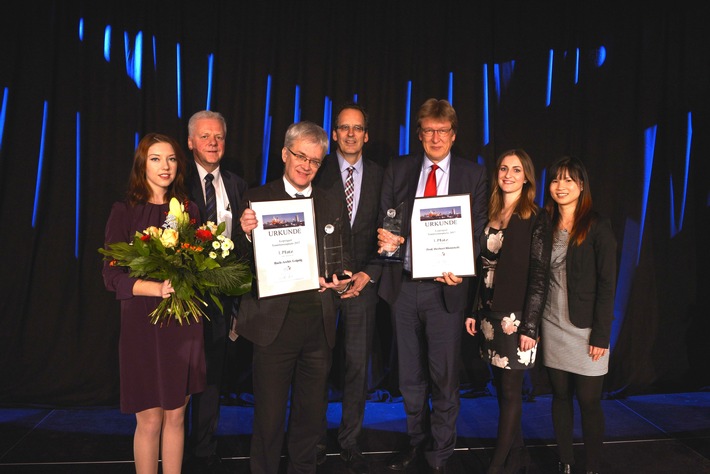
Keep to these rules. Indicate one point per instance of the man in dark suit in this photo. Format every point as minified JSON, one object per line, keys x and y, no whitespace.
{"x":357,"y":181}
{"x":293,"y":333}
{"x":206,"y":134}
{"x":429,"y":314}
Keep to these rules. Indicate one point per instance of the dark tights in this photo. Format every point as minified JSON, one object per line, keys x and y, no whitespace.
{"x":509,"y":386}
{"x":588,"y":391}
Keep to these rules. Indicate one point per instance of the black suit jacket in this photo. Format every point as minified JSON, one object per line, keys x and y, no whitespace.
{"x":591,"y":282}
{"x":363,"y":237}
{"x":260,"y":320}
{"x":400,"y":185}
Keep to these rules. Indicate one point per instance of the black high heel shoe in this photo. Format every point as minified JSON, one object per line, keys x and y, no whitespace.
{"x":564,"y":468}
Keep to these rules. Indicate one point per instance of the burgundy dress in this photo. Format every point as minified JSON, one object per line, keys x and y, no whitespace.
{"x":159,"y":366}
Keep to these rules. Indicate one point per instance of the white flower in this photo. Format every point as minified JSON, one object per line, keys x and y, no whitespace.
{"x":212,"y":255}
{"x":527,"y":357}
{"x":494,"y":242}
{"x":225,"y":253}
{"x":216,"y":245}
{"x":498,"y":361}
{"x":487,"y":329}
{"x":510,"y":324}
{"x":225,"y":246}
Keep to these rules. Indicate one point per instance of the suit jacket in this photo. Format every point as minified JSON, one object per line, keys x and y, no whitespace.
{"x":363,"y":237}
{"x":260,"y":320}
{"x":591,"y":282}
{"x":400,"y":185}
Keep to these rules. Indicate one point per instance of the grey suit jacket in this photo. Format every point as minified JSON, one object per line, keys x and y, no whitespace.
{"x":363,"y":233}
{"x":260,"y":320}
{"x":400,"y":185}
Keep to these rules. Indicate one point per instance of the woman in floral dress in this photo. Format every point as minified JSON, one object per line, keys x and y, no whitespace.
{"x":510,"y":297}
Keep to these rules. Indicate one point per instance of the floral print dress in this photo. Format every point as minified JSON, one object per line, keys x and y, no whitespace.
{"x":500,"y":329}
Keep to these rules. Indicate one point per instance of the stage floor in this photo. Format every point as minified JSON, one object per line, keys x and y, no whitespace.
{"x":666,"y":433}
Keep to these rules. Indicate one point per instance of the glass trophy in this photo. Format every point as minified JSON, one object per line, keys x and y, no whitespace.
{"x":393,"y":223}
{"x":333,"y":251}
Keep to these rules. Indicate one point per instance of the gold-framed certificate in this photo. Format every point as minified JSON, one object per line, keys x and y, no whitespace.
{"x":442,"y":236}
{"x":285,"y":246}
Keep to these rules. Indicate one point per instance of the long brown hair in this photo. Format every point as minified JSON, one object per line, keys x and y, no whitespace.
{"x":583,"y":214}
{"x":139,"y":191}
{"x":525,"y":207}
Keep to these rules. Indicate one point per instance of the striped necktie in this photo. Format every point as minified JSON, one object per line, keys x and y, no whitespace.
{"x":350,"y":192}
{"x":210,"y":199}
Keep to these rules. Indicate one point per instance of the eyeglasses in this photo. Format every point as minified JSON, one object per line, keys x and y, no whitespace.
{"x":347,"y":128}
{"x":303,"y":159}
{"x":443,"y":132}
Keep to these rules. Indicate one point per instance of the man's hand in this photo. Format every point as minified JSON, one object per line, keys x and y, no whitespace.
{"x":449,"y":278}
{"x":248,"y":221}
{"x":388,"y":242}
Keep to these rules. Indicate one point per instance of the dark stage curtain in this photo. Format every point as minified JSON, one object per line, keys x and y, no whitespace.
{"x":629,"y":85}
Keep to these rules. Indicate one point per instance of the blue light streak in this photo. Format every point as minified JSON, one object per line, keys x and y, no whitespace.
{"x":178,"y":79}
{"x":451,"y":88}
{"x":3,"y":114}
{"x":267,"y":132}
{"x":649,"y":148}
{"x":548,"y":98}
{"x":210,"y":78}
{"x":40,"y":165}
{"x":107,"y":43}
{"x":297,"y":105}
{"x":486,"y":107}
{"x":677,"y":227}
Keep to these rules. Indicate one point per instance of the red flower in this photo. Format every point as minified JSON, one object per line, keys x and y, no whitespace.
{"x":203,"y":234}
{"x":145,"y":237}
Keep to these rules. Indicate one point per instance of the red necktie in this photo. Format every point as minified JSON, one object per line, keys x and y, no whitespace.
{"x":430,"y":189}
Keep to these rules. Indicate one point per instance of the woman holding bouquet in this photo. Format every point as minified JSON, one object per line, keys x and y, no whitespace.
{"x":162,"y":364}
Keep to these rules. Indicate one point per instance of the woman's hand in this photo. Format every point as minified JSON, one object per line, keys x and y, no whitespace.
{"x":471,"y":326}
{"x":526,"y":343}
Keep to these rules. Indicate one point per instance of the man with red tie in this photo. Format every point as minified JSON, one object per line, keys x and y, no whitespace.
{"x":429,"y":314}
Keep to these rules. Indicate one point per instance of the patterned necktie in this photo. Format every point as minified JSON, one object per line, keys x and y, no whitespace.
{"x":430,"y":189}
{"x":349,"y":192}
{"x":210,"y":199}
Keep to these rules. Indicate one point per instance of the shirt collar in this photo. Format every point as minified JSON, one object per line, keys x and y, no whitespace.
{"x":291,"y":191}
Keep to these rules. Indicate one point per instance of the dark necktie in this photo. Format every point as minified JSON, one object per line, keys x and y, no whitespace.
{"x":430,"y":189}
{"x":298,"y":195}
{"x":210,"y":199}
{"x":350,"y":192}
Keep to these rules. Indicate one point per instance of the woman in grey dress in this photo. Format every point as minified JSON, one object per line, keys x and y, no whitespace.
{"x":510,"y":297}
{"x":578,"y":314}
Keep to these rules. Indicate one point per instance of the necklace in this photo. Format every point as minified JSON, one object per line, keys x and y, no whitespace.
{"x":504,"y":218}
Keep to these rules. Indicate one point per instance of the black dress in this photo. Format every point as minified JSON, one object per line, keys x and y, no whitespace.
{"x":500,"y":329}
{"x":159,"y":365}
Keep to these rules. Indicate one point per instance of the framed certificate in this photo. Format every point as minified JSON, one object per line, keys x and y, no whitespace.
{"x":442,"y":236}
{"x":285,"y":246}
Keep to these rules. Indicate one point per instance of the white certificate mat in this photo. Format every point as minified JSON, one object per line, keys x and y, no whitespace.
{"x":285,"y":246}
{"x":442,"y":236}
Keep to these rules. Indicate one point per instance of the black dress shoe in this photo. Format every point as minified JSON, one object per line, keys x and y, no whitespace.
{"x":564,"y":468}
{"x":438,"y":469}
{"x":401,"y":460}
{"x":355,"y":461}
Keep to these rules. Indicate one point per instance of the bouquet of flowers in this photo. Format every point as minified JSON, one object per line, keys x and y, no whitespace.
{"x":199,"y":263}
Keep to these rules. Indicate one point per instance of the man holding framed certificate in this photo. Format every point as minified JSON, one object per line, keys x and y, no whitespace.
{"x":429,"y":312}
{"x":293,"y":329}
